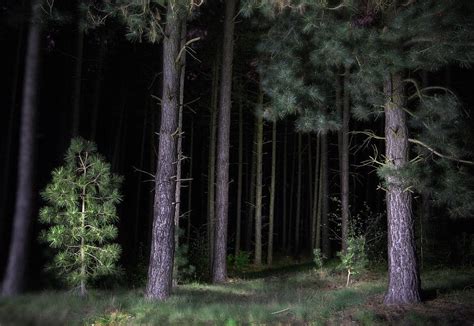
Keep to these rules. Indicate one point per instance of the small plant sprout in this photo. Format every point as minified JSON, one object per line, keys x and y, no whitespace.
{"x":81,"y":212}
{"x":354,"y":259}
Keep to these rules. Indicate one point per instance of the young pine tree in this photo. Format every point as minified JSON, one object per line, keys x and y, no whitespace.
{"x":81,"y":211}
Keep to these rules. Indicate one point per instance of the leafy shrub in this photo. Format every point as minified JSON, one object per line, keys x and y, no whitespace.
{"x":354,"y":259}
{"x":239,"y":262}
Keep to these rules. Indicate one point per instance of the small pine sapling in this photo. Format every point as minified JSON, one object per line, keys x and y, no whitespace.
{"x":80,"y":212}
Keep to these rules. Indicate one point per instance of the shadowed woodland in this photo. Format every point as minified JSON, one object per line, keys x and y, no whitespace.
{"x":234,"y":162}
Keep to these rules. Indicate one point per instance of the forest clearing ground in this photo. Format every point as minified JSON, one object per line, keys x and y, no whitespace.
{"x":296,"y":295}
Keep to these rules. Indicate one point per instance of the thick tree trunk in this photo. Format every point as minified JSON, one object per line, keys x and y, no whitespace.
{"x":344,"y":156}
{"x":211,"y":172}
{"x":160,"y":271}
{"x":219,"y":271}
{"x":272,"y":197}
{"x":326,"y":245}
{"x":13,"y":282}
{"x":239,"y":178}
{"x":259,"y":185}
{"x":404,"y":282}
{"x":298,"y":194}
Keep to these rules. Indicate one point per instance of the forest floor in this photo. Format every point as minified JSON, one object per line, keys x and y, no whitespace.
{"x":296,"y":295}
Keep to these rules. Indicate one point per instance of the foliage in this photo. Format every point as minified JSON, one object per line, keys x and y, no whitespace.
{"x":354,"y":259}
{"x":81,"y":212}
{"x":239,"y":262}
{"x":199,"y":254}
{"x":318,"y":258}
{"x":182,"y":268}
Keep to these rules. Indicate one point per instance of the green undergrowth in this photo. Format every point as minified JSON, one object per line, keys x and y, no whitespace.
{"x":299,"y":295}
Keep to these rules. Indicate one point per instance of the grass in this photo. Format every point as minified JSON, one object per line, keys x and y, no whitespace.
{"x":287,"y":295}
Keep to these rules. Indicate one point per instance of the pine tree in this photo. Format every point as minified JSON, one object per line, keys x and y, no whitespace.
{"x":81,"y":212}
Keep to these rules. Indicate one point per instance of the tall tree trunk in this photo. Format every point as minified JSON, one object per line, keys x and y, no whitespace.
{"x":76,"y":95}
{"x":211,"y":173}
{"x":160,"y":271}
{"x":272,"y":197}
{"x":190,"y":186}
{"x":14,"y":282}
{"x":285,"y":160}
{"x":251,"y":201}
{"x":310,"y":190}
{"x":6,"y":173}
{"x":298,"y":194}
{"x":326,"y":245}
{"x":315,"y":226}
{"x":404,"y":282}
{"x":219,"y":271}
{"x":177,"y":200}
{"x":344,"y":156}
{"x":320,"y":194}
{"x":292,"y":188}
{"x":98,"y":88}
{"x":259,"y":184}
{"x":239,"y":178}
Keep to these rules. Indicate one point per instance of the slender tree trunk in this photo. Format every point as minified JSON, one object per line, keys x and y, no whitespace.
{"x":251,"y":202}
{"x":160,"y":271}
{"x":298,"y":194}
{"x":219,"y":271}
{"x":76,"y":95}
{"x":310,"y":190}
{"x":344,"y":156}
{"x":292,"y":188}
{"x":284,"y":195}
{"x":259,"y":184}
{"x":14,"y":282}
{"x":98,"y":88}
{"x":320,"y":195}
{"x":404,"y":282}
{"x":272,"y":197}
{"x":211,"y":173}
{"x":239,"y":178}
{"x":315,"y":226}
{"x":326,"y":245}
{"x":177,"y":196}
{"x":190,"y":186}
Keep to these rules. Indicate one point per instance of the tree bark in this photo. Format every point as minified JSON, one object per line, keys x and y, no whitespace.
{"x":259,"y":184}
{"x":14,"y":282}
{"x":285,"y":161}
{"x":219,"y":271}
{"x":272,"y":197}
{"x":298,"y":194}
{"x":344,"y":156}
{"x":211,"y":173}
{"x":326,"y":245}
{"x":239,"y":178}
{"x":404,"y":283}
{"x":160,"y":271}
{"x":177,"y":200}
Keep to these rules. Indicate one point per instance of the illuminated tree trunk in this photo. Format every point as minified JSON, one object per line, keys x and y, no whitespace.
{"x":403,"y":278}
{"x":160,"y":271}
{"x":259,"y":185}
{"x":14,"y":282}
{"x":219,"y":271}
{"x":271,"y":214}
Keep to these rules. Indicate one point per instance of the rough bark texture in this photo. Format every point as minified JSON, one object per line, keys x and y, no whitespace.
{"x":271,"y":214}
{"x":239,"y":178}
{"x":258,"y":187}
{"x":403,"y":283}
{"x":13,"y":282}
{"x":219,"y":270}
{"x":160,"y":269}
{"x":344,"y":156}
